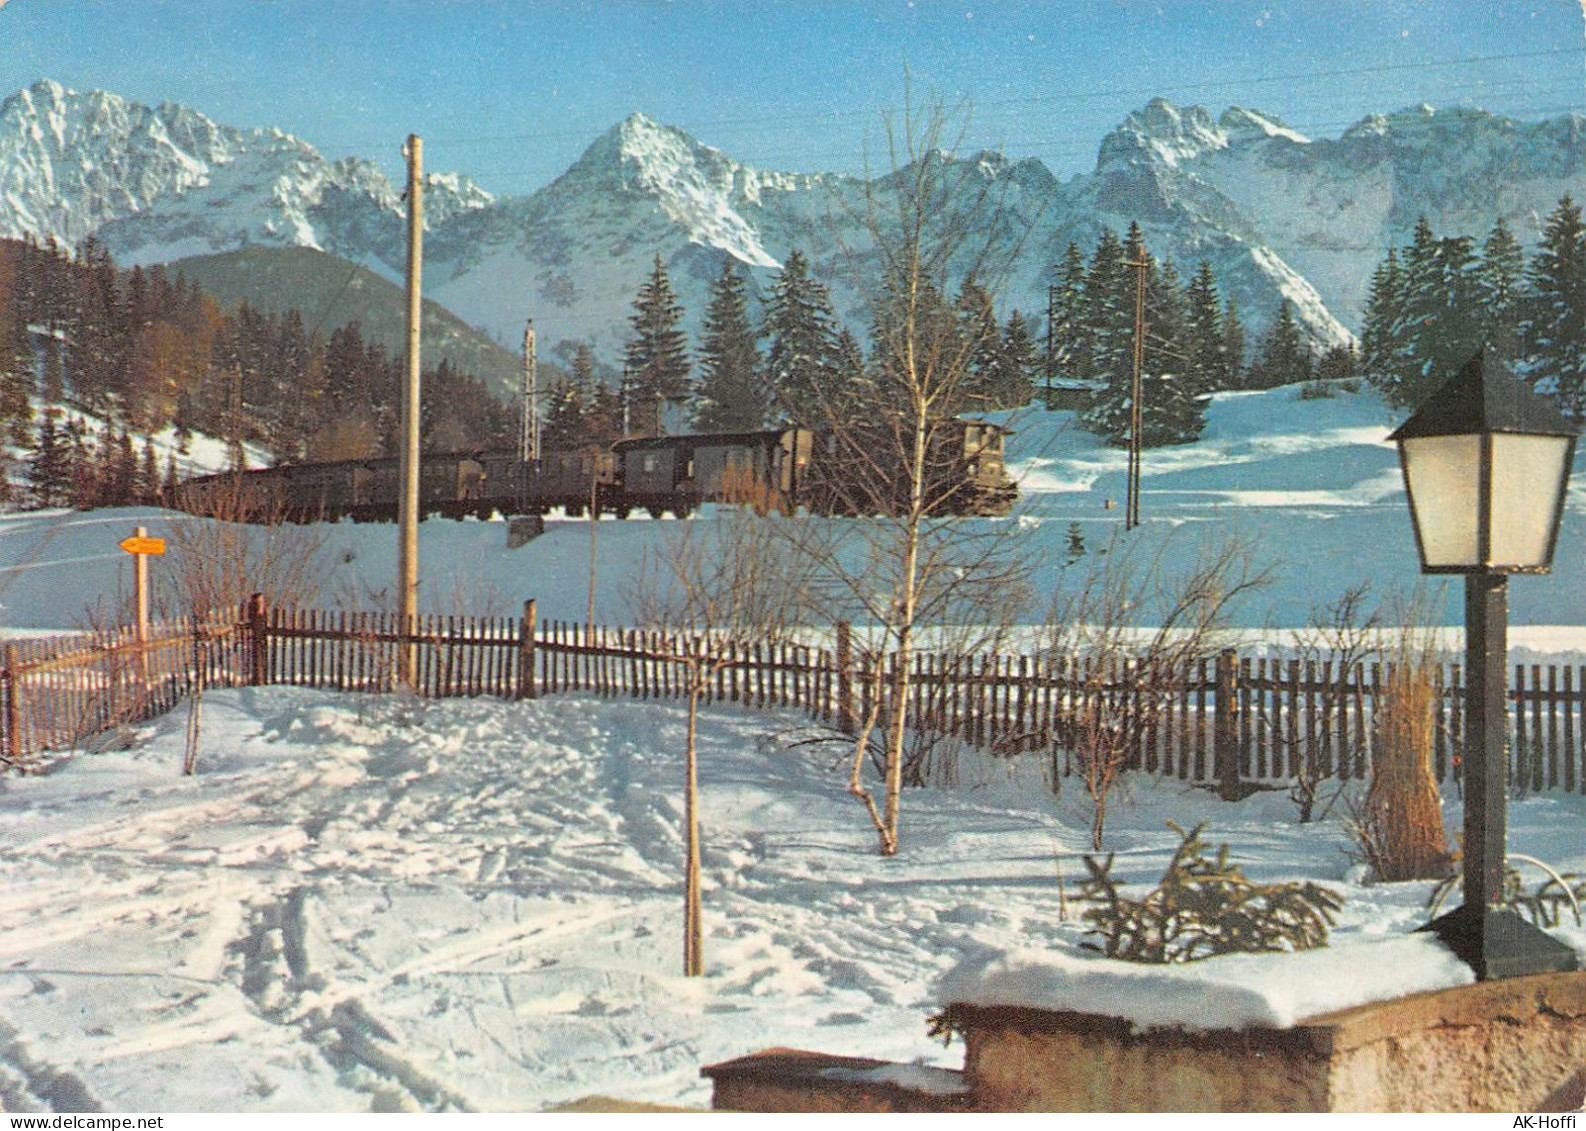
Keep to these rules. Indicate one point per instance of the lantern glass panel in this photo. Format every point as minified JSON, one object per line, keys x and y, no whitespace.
{"x":1527,"y":479}
{"x":1444,"y":477}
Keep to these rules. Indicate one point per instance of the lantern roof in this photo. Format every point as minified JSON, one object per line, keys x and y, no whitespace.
{"x":1484,"y":396}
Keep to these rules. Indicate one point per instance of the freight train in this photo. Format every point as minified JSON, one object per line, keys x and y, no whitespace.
{"x":791,"y":468}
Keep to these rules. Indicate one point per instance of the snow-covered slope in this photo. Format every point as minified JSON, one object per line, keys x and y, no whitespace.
{"x":1312,"y":485}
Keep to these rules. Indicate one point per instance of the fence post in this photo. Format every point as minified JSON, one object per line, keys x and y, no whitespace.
{"x":526,"y":628}
{"x":845,"y":677}
{"x":13,"y":713}
{"x":258,"y":628}
{"x":1225,"y":727}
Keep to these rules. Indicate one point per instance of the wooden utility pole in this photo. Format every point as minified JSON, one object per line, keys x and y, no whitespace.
{"x":1051,"y":339}
{"x":1136,"y":415}
{"x":529,"y":429}
{"x":627,"y":396}
{"x":235,"y":454}
{"x":140,"y":593}
{"x":408,"y":503}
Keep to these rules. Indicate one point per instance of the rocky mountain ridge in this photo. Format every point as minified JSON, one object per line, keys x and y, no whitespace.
{"x":1277,"y":214}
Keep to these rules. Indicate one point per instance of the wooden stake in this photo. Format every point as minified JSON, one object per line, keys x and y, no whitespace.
{"x":408,"y":504}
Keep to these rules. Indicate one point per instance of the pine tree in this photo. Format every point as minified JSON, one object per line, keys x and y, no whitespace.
{"x":801,"y":348}
{"x":94,"y":363}
{"x":1069,"y":341}
{"x":917,"y":328}
{"x":84,"y":465}
{"x":172,"y":478}
{"x":1555,"y":329}
{"x":183,"y":421}
{"x":1173,"y":405}
{"x":1019,"y":361}
{"x":1439,"y":324}
{"x":1340,"y":363}
{"x":1172,"y":408}
{"x":1500,"y":277}
{"x":1233,"y":334}
{"x":52,"y":388}
{"x":599,"y":418}
{"x":566,"y":421}
{"x":1205,"y":348}
{"x":848,"y":360}
{"x":656,"y":360}
{"x":977,"y":322}
{"x":1284,"y":357}
{"x":148,"y":491}
{"x":49,"y":465}
{"x":1377,"y":347}
{"x":732,"y":394}
{"x":121,"y":487}
{"x":1075,"y":550}
{"x":1109,"y":335}
{"x":16,"y":374}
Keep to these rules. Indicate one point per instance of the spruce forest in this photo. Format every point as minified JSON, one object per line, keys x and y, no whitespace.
{"x":1435,"y":301}
{"x":144,"y":352}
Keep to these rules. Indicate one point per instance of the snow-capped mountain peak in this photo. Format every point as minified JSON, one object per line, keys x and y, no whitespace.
{"x":1167,"y":132}
{"x":154,"y":184}
{"x":695,"y":185}
{"x":1239,"y":124}
{"x":1276,"y":215}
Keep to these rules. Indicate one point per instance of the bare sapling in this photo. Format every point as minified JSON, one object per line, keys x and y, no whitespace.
{"x":1129,"y":635}
{"x":236,"y":544}
{"x":708,"y":591}
{"x":1341,"y":635}
{"x":193,"y":737}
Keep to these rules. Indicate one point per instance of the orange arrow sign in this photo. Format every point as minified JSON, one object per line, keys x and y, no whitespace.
{"x":137,"y":545}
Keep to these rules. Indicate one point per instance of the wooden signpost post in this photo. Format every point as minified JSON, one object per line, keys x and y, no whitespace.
{"x":140,"y":546}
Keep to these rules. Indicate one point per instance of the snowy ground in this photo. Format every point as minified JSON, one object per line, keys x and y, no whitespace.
{"x":378,"y":903}
{"x":371,"y":902}
{"x":1313,"y":485}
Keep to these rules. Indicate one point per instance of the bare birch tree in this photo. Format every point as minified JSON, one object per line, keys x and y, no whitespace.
{"x":894,"y":442}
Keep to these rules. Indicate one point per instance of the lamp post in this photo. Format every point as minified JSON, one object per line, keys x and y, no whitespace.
{"x":1486,"y":462}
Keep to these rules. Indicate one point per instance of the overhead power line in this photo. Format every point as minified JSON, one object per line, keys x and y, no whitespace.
{"x":786,"y":118}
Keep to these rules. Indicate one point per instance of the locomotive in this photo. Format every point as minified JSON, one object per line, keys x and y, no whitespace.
{"x":793,"y":467}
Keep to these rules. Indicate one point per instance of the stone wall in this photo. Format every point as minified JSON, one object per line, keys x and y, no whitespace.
{"x":1513,"y":1045}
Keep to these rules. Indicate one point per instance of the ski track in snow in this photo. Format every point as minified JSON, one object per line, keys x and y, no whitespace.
{"x":375,"y":903}
{"x":369,"y":903}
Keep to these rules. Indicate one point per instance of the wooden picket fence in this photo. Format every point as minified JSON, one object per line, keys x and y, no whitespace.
{"x":62,"y":692}
{"x":1229,"y":720}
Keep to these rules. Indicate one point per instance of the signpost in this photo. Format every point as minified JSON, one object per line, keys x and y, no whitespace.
{"x":140,"y":546}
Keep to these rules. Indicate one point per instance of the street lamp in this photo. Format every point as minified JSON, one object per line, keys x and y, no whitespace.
{"x":1486,"y":462}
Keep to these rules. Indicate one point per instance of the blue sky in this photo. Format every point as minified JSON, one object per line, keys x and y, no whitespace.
{"x":510,"y":92}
